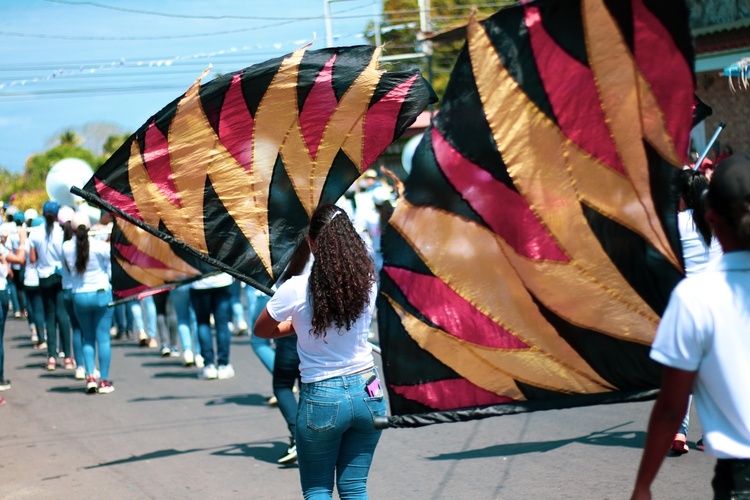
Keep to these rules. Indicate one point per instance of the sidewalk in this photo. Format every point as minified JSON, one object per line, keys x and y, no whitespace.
{"x":165,"y":434}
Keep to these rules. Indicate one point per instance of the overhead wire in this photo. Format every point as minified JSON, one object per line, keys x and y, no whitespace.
{"x":90,"y":69}
{"x":194,"y":16}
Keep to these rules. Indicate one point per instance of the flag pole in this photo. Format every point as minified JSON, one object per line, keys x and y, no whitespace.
{"x":708,"y":146}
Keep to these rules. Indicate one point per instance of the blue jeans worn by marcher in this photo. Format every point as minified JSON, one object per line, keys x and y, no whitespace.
{"x":219,"y":302}
{"x":95,"y":319}
{"x":180,"y":298}
{"x":120,"y":320}
{"x":261,"y":347}
{"x":35,"y":306}
{"x":4,"y":298}
{"x":76,"y":328}
{"x":686,"y":421}
{"x":55,"y":316}
{"x":10,"y":286}
{"x":285,"y":375}
{"x":336,"y":436}
{"x":238,"y":311}
{"x":144,"y":322}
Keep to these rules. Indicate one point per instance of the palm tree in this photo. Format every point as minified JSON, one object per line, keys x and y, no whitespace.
{"x":69,"y":138}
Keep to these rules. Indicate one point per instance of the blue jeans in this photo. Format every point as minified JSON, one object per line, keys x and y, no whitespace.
{"x":219,"y":302}
{"x":35,"y":307}
{"x":180,"y":298}
{"x":121,"y":319}
{"x":77,"y":335}
{"x":261,"y":347}
{"x":238,"y":312}
{"x":336,"y":435}
{"x":139,"y":324}
{"x":10,"y":286}
{"x":285,"y":374}
{"x":686,"y":421}
{"x":95,"y":319}
{"x":4,"y":298}
{"x":55,"y":315}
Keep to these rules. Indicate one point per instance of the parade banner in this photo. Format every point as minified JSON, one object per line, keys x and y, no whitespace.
{"x":233,"y":169}
{"x":536,"y":244}
{"x":143,"y":264}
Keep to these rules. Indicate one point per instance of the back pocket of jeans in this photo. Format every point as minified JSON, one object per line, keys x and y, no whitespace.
{"x":322,"y":416}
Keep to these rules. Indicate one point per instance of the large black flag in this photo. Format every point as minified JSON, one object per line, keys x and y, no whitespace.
{"x":536,"y":245}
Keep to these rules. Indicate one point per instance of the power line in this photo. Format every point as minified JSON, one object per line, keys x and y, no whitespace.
{"x":135,"y":38}
{"x":193,"y":16}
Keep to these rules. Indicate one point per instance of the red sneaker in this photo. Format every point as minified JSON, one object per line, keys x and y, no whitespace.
{"x":679,"y":445}
{"x":105,"y":387}
{"x":91,"y":384}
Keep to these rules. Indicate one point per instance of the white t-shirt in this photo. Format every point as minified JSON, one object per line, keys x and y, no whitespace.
{"x":213,"y":281}
{"x":98,"y":267}
{"x":340,"y":352}
{"x":30,"y":276}
{"x":706,"y":328}
{"x":14,"y":243}
{"x":48,"y":249}
{"x":694,"y":249}
{"x":3,"y":268}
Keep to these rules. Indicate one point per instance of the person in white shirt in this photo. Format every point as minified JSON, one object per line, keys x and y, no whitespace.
{"x":699,"y":247}
{"x":34,"y":302}
{"x":46,"y":252}
{"x":340,"y":394}
{"x":7,"y":258}
{"x":87,"y":259}
{"x":704,"y":345}
{"x":211,"y":296}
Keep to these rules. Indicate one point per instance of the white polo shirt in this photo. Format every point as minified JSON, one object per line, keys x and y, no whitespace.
{"x":706,"y":328}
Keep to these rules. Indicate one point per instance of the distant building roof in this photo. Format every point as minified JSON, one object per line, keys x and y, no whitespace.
{"x":722,"y":37}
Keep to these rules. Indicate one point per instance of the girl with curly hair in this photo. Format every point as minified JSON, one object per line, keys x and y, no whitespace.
{"x":330,"y":310}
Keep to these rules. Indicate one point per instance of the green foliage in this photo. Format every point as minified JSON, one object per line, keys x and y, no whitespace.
{"x":112,"y":144}
{"x":400,"y":34}
{"x":31,"y":185}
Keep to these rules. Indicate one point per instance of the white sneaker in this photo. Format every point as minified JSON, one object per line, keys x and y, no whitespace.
{"x":199,"y":363}
{"x":208,"y":373}
{"x":242,"y":327}
{"x":80,"y":373}
{"x":188,"y":358}
{"x":225,"y":372}
{"x":231,"y":328}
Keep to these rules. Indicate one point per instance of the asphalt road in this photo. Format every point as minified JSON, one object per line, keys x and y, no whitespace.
{"x":165,"y":434}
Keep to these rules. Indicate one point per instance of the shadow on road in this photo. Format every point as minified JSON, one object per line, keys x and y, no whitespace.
{"x":146,"y":456}
{"x":263,"y":451}
{"x":242,"y":400}
{"x":628,"y":439}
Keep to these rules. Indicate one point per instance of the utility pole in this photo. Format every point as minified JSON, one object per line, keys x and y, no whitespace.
{"x":425,"y":26}
{"x":327,"y":13}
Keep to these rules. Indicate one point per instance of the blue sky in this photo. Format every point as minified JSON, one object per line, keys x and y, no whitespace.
{"x":68,"y":63}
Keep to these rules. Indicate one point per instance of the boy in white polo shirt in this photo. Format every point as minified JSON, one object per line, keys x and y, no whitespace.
{"x":703,"y":342}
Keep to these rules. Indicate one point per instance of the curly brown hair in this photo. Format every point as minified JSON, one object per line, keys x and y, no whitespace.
{"x":342,"y":273}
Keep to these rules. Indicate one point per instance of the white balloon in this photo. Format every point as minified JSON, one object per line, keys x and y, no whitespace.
{"x":65,"y":174}
{"x":407,"y":154}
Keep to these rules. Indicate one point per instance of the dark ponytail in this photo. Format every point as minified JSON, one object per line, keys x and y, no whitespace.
{"x":82,"y":248}
{"x":692,"y":186}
